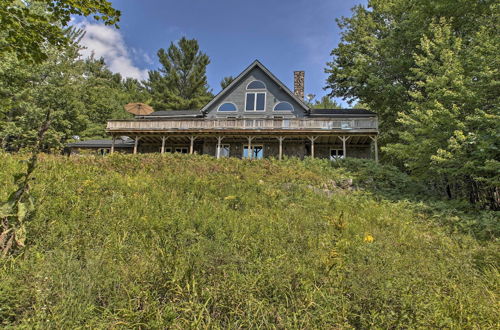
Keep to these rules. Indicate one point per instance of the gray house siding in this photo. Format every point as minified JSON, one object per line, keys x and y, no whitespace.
{"x":237,"y":96}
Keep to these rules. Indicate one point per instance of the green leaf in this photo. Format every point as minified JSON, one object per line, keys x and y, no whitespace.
{"x":22,"y":210}
{"x":20,"y":234}
{"x":6,"y":209}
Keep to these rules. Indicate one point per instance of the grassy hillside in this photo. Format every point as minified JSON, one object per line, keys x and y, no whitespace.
{"x":153,"y":241}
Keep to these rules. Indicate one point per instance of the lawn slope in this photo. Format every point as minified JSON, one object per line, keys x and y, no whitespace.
{"x":152,"y":241}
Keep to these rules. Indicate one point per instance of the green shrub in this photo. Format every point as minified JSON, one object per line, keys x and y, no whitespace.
{"x":156,"y":241}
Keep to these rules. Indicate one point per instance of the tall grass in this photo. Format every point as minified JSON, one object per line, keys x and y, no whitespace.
{"x":154,"y":241}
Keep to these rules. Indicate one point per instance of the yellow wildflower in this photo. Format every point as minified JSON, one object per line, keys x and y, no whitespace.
{"x":368,"y":238}
{"x":230,"y":198}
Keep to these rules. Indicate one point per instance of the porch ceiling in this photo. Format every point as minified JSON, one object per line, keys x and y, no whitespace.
{"x":185,"y":139}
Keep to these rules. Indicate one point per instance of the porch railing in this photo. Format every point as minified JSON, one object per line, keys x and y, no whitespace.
{"x":250,"y":124}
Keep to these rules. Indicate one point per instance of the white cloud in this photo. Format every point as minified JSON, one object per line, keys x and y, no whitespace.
{"x":107,"y":42}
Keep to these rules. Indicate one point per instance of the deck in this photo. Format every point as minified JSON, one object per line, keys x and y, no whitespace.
{"x":305,"y":125}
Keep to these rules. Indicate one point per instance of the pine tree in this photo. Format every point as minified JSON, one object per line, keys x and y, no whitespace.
{"x":326,"y":102}
{"x":181,"y":82}
{"x":226,"y":81}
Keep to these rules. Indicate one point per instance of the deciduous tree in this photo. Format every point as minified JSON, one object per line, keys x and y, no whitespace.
{"x":27,"y":27}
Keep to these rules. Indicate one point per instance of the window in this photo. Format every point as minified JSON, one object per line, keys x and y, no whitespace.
{"x":182,"y":150}
{"x":255,"y":102}
{"x":256,"y":84}
{"x":336,"y":154}
{"x":227,"y":107}
{"x":283,"y":106}
{"x":257,"y":151}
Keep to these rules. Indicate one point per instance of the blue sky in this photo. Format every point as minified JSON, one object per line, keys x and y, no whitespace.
{"x":284,"y":35}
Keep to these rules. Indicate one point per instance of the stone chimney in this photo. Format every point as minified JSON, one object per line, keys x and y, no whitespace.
{"x":298,"y":84}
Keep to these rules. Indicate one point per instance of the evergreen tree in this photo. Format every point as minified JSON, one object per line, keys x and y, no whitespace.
{"x":326,"y":102}
{"x":226,"y":81}
{"x":181,"y":82}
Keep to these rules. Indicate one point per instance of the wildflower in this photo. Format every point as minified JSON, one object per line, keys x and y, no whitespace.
{"x":230,"y":198}
{"x":368,"y":238}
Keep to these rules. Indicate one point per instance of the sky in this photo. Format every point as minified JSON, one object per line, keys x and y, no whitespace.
{"x":284,"y":35}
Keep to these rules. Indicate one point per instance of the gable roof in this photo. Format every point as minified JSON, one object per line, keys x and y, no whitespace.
{"x":256,"y":64}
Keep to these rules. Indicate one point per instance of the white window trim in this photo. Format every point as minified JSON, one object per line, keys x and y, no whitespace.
{"x":255,"y":101}
{"x":181,"y":148}
{"x":253,"y":146}
{"x":274,"y":107}
{"x":336,"y":157}
{"x":257,"y":89}
{"x":220,"y":105}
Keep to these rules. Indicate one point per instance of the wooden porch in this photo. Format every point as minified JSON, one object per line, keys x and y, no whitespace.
{"x":312,"y":133}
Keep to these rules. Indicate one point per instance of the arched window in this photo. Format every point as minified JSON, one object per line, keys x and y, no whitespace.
{"x":283,"y":106}
{"x":256,"y":84}
{"x":227,"y":107}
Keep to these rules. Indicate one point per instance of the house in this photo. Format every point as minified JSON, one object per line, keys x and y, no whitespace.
{"x":255,"y":116}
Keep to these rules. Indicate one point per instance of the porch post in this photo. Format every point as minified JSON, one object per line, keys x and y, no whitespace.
{"x":280,"y":139}
{"x":163,"y":139}
{"x":191,"y":147}
{"x":113,"y":145}
{"x":136,"y":143}
{"x":250,"y":151}
{"x":312,"y":139}
{"x":344,"y":148}
{"x":219,"y":140}
{"x":374,"y":139}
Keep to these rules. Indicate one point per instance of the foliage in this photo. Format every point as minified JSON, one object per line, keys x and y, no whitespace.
{"x":181,"y":82}
{"x":181,"y":241}
{"x":28,"y":27}
{"x":373,"y":61}
{"x":430,"y":71}
{"x":326,"y":102}
{"x":104,"y":94}
{"x":28,"y":91}
{"x":385,"y":180}
{"x":15,"y":212}
{"x":83,"y":95}
{"x":226,"y":81}
{"x":447,"y":130}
